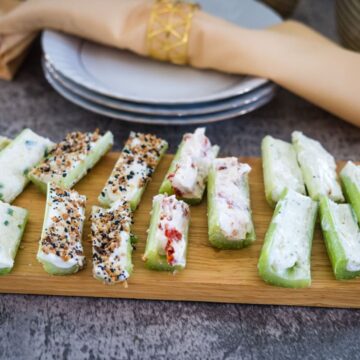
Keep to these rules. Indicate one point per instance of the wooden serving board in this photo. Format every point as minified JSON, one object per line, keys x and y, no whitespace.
{"x":211,"y":275}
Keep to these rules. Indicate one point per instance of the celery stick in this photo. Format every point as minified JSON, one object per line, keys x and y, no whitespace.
{"x":229,"y":214}
{"x":281,"y":169}
{"x":12,"y":224}
{"x":188,"y":172}
{"x":318,"y":168}
{"x":133,"y":170}
{"x":17,"y":159}
{"x":111,"y":243}
{"x":60,"y":248}
{"x":342,"y":238}
{"x":71,"y":159}
{"x":167,"y":240}
{"x":285,"y":256}
{"x":350,"y":178}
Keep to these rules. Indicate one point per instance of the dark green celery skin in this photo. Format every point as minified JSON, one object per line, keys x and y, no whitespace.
{"x":265,"y":271}
{"x":352,"y":194}
{"x":333,"y":246}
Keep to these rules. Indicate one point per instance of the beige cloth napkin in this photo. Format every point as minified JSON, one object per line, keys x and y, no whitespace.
{"x":291,"y":54}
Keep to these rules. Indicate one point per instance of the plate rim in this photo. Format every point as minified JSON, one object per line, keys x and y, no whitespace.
{"x":78,"y":74}
{"x":135,"y":119}
{"x":137,"y":108}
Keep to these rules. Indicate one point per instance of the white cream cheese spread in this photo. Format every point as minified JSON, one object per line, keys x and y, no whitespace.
{"x":12,"y":222}
{"x":66,"y":156}
{"x":290,"y":245}
{"x":17,"y":159}
{"x":60,"y":243}
{"x":231,"y":197}
{"x":135,"y":166}
{"x":191,"y":169}
{"x":111,"y":237}
{"x":318,"y":166}
{"x":283,"y":168}
{"x":348,"y":232}
{"x":172,"y":228}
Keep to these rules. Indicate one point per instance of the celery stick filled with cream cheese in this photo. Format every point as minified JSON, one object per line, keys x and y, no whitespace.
{"x":350,"y":178}
{"x":133,"y":170}
{"x":69,"y":161}
{"x":342,"y":238}
{"x":111,"y":242}
{"x":188,"y":172}
{"x":17,"y":159}
{"x":229,"y":213}
{"x":318,"y":168}
{"x":60,"y":248}
{"x":280,"y":168}
{"x":167,"y":240}
{"x":12,"y":224}
{"x":285,"y":256}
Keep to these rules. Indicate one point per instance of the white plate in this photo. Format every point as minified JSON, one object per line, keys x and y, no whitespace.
{"x":123,"y":75}
{"x":154,"y":119}
{"x":169,"y":110}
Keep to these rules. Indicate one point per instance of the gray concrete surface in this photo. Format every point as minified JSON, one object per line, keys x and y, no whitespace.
{"x":41,"y":327}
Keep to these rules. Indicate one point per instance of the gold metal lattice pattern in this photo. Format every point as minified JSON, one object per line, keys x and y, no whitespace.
{"x":168,"y":30}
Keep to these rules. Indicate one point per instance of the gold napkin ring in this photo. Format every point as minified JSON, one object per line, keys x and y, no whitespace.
{"x":168,"y":30}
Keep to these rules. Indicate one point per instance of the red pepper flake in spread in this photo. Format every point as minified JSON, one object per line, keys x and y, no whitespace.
{"x":231,"y":197}
{"x":173,"y":221}
{"x":177,"y":192}
{"x":189,"y":170}
{"x":111,"y":240}
{"x":172,"y":235}
{"x":134,"y":168}
{"x":66,"y":155}
{"x":63,"y":229}
{"x":167,"y":235}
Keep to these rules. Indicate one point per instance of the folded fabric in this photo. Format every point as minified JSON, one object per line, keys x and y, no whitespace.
{"x":291,"y":54}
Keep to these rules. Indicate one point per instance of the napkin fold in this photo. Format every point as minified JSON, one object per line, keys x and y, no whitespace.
{"x":290,"y":54}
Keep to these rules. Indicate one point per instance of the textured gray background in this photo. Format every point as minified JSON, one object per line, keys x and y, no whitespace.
{"x":41,"y":327}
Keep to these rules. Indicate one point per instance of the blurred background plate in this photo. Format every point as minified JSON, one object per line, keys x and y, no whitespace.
{"x":153,"y":119}
{"x":153,"y":109}
{"x":120,"y":74}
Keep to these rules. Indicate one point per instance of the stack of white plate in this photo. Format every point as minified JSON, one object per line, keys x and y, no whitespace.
{"x":121,"y":85}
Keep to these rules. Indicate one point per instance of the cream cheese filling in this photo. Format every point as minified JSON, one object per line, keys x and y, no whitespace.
{"x":320,"y":164}
{"x":193,"y":166}
{"x":231,"y":198}
{"x":17,"y":159}
{"x":173,"y":223}
{"x":348,"y":232}
{"x":290,"y":242}
{"x":284,"y":168}
{"x":11,"y":224}
{"x":57,"y":210}
{"x":135,"y":172}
